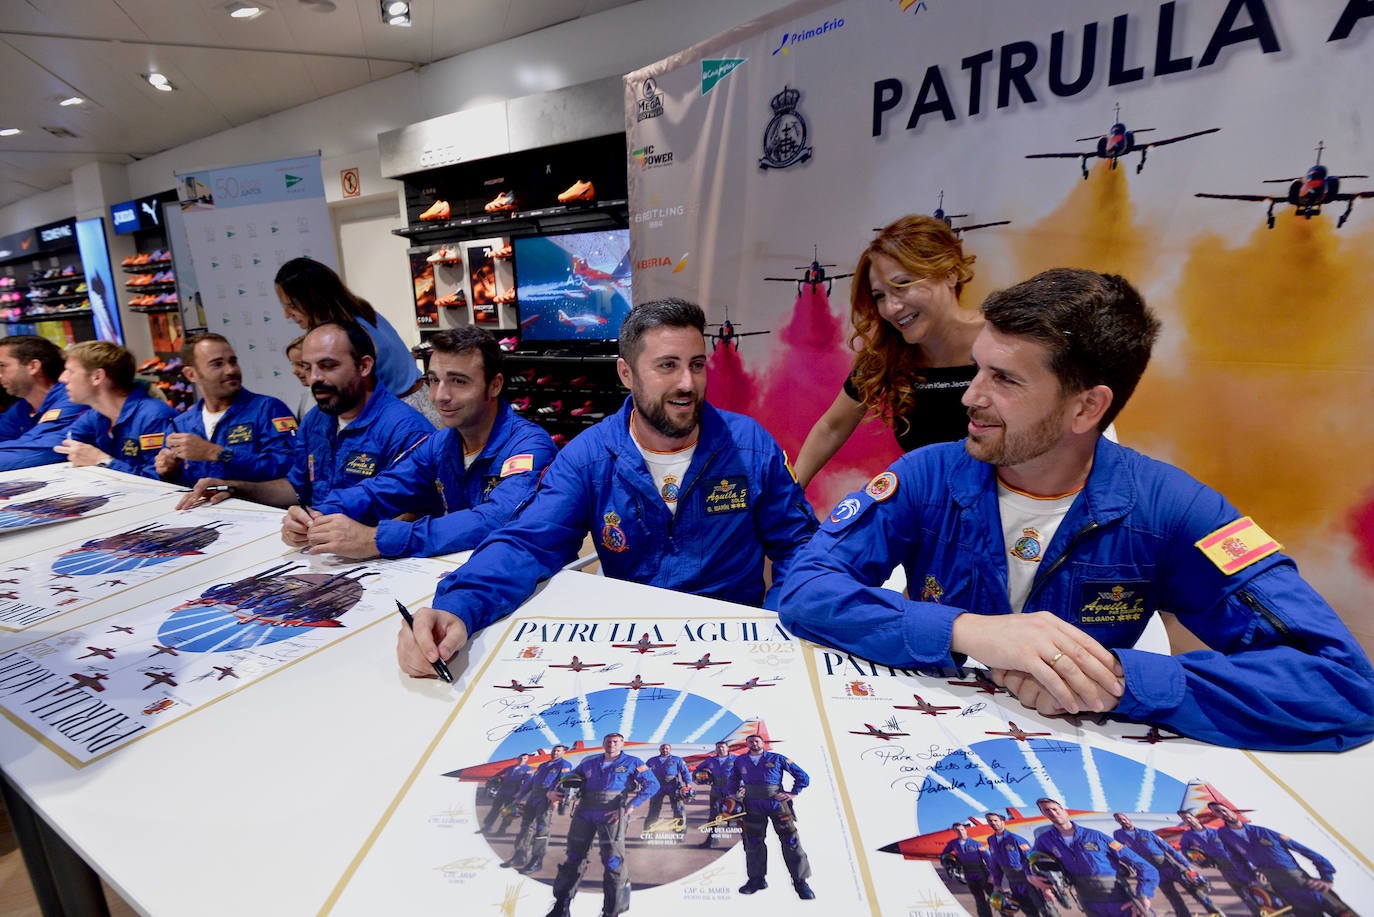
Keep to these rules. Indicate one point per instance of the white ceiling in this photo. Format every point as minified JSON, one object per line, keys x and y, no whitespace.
{"x":227,"y":72}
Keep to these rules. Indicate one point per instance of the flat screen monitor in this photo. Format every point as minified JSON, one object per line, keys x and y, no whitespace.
{"x":572,"y":290}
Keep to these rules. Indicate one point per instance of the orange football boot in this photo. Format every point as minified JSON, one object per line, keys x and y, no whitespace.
{"x":439,"y":210}
{"x":580,"y":191}
{"x":504,"y":201}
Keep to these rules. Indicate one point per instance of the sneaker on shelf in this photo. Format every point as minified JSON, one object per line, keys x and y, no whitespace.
{"x":453,"y":300}
{"x":508,"y":344}
{"x":505,"y":296}
{"x":505,"y":201}
{"x":553,"y":407}
{"x":578,"y":191}
{"x":559,"y":440}
{"x":81,"y":287}
{"x":439,"y":210}
{"x":502,"y":253}
{"x":69,"y":270}
{"x":520,"y":404}
{"x":437,"y":256}
{"x":544,"y":380}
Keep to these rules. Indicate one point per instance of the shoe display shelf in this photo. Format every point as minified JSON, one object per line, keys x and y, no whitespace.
{"x":150,"y":287}
{"x":564,"y":394}
{"x":164,"y":374}
{"x":51,"y":294}
{"x":468,"y":283}
{"x":151,"y":284}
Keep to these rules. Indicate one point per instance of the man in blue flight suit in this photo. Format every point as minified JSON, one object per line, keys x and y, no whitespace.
{"x":510,"y":783}
{"x":967,"y":857}
{"x":1095,"y":864}
{"x":674,"y":492}
{"x":615,"y":784}
{"x":125,"y":427}
{"x":463,"y":482}
{"x":1036,"y":511}
{"x":1008,"y":860}
{"x":1202,"y":846}
{"x":29,"y":369}
{"x":230,"y":432}
{"x":1173,"y":869}
{"x":715,"y":771}
{"x":1271,"y":855}
{"x":536,"y":798}
{"x":356,"y":430}
{"x":758,"y":774}
{"x":672,"y":775}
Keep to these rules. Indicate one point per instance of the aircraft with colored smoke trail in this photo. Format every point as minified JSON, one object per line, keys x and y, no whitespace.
{"x":727,"y":333}
{"x":1167,"y":825}
{"x":813,"y":274}
{"x":1117,"y":142}
{"x":1306,"y":194}
{"x":949,"y":218}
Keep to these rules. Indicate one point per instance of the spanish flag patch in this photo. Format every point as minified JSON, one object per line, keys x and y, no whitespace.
{"x":517,"y":464}
{"x":149,"y":441}
{"x":284,"y":424}
{"x":1237,"y":545}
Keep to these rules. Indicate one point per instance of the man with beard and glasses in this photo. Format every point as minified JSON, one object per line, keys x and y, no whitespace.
{"x":674,"y":493}
{"x":230,"y":432}
{"x":356,"y":430}
{"x":1037,"y":512}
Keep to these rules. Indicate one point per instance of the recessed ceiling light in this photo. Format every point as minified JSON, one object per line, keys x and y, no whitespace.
{"x":244,"y":10}
{"x":70,"y":101}
{"x":396,"y":12}
{"x":159,"y":81}
{"x":10,"y":131}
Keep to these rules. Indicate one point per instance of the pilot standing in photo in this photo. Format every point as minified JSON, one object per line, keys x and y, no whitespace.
{"x":759,"y":774}
{"x":1271,"y":854}
{"x":615,"y":783}
{"x":969,"y":857}
{"x":510,"y":783}
{"x":1094,"y":864}
{"x":536,"y":818}
{"x":715,"y":772}
{"x":672,"y":775}
{"x":1008,"y":855}
{"x":1173,"y":868}
{"x":1203,"y":847}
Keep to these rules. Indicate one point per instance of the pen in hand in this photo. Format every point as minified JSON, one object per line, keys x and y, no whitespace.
{"x":439,"y":668}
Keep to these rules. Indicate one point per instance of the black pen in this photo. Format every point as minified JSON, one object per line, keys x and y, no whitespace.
{"x":220,"y":489}
{"x":439,"y":668}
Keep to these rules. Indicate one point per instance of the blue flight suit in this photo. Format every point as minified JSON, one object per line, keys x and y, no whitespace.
{"x":533,"y":837}
{"x":512,"y":782}
{"x":17,"y":420}
{"x":458,"y":506}
{"x":738,"y":502}
{"x":1091,"y":860}
{"x":612,"y":789}
{"x":328,"y":458}
{"x":1007,"y":857}
{"x":762,"y":780}
{"x":259,"y":430}
{"x":1126,"y":548}
{"x":972,"y":859}
{"x":717,"y":769}
{"x":1172,"y":869}
{"x":134,"y":439}
{"x":672,"y":775}
{"x":49,"y":427}
{"x":1271,"y":854}
{"x":1208,"y":843}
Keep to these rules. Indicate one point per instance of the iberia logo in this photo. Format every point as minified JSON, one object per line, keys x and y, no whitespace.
{"x":713,"y":70}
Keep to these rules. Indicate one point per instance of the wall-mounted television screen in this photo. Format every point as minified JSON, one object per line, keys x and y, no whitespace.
{"x":572,"y":289}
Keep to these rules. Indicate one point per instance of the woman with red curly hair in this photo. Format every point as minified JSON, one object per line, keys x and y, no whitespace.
{"x":914,"y":343}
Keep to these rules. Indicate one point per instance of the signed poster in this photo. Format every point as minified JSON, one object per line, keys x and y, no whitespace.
{"x":66,"y":578}
{"x":88,"y":691}
{"x":33,"y":497}
{"x":550,"y":681}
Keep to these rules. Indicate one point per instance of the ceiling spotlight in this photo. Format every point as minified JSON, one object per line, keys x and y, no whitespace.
{"x":158,"y":81}
{"x":238,"y":10}
{"x":10,"y":131}
{"x":396,"y":12}
{"x":70,"y":101}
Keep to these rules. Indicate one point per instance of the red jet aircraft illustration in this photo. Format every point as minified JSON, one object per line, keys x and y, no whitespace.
{"x":871,"y":730}
{"x":643,"y":645}
{"x":85,"y":681}
{"x":518,"y":687}
{"x":1017,"y":733}
{"x":1118,"y":142}
{"x":927,"y":708}
{"x":636,"y":683}
{"x":1306,"y":194}
{"x":1152,"y":735}
{"x":703,"y":662}
{"x":160,"y":678}
{"x":982,"y":681}
{"x":749,"y":685}
{"x":578,"y":665}
{"x":107,"y":652}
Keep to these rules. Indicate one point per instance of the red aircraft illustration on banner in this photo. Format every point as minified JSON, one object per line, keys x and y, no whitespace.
{"x":925,"y":707}
{"x":1166,"y":824}
{"x":1306,"y":194}
{"x":1153,"y":735}
{"x":873,"y":731}
{"x":982,"y":681}
{"x":518,"y":687}
{"x":637,"y":683}
{"x":749,"y":685}
{"x":813,"y":275}
{"x":160,"y":678}
{"x":225,"y":671}
{"x":1019,"y":734}
{"x":643,"y":645}
{"x":577,"y":665}
{"x":703,"y":662}
{"x":1118,"y":142}
{"x":693,"y":753}
{"x":159,"y":649}
{"x":85,"y":681}
{"x":106,"y":652}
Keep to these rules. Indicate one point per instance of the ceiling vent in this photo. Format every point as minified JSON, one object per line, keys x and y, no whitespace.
{"x":60,"y":132}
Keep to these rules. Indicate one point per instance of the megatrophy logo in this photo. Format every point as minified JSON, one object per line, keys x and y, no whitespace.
{"x":791,"y":39}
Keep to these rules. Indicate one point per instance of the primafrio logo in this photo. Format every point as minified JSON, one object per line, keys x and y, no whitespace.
{"x":649,"y":104}
{"x":784,"y":139}
{"x":791,"y":39}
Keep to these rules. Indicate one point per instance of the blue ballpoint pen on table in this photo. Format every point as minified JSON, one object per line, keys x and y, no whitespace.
{"x":439,"y":668}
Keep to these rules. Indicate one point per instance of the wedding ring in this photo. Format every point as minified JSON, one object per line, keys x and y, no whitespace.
{"x":1055,"y":660}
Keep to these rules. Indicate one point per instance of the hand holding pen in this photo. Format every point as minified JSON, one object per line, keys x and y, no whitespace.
{"x":408,"y":632}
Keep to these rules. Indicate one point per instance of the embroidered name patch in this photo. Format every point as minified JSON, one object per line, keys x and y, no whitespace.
{"x":50,"y":415}
{"x":284,"y":424}
{"x":1114,"y":603}
{"x":240,"y":433}
{"x":1237,"y":545}
{"x":361,"y":464}
{"x":518,"y":464}
{"x":129,"y":447}
{"x":728,"y":495}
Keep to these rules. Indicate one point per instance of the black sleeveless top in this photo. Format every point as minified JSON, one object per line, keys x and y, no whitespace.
{"x":938,"y":414}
